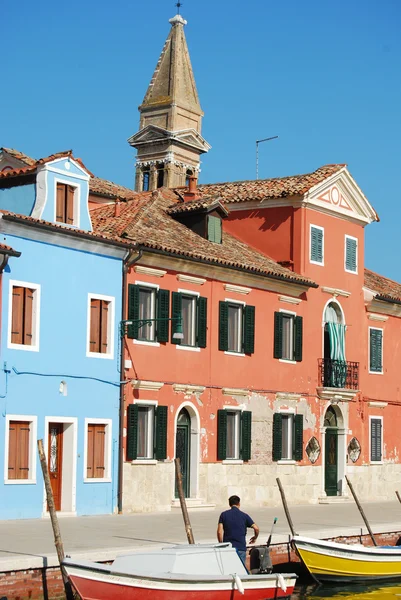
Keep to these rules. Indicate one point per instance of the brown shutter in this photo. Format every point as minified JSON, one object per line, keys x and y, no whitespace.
{"x":99,"y":442}
{"x":12,"y":450}
{"x":70,"y":204}
{"x":17,"y":315}
{"x":28,"y":313}
{"x":89,"y":457}
{"x":94,"y":340}
{"x":18,"y":450}
{"x":23,"y":451}
{"x":60,"y":204}
{"x":104,"y":326}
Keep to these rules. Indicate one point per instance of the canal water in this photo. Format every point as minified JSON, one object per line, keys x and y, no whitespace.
{"x":354,"y":592}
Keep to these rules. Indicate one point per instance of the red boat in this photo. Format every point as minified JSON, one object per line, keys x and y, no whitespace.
{"x":190,"y":572}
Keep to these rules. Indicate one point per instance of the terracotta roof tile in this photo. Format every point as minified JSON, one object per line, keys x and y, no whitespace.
{"x":260,"y":189}
{"x":108,"y":189}
{"x":28,"y":160}
{"x":95,"y":235}
{"x":31,"y":168}
{"x":148,"y":224}
{"x":8,"y":250}
{"x":387,"y":289}
{"x":204,"y":203}
{"x":97,"y":186}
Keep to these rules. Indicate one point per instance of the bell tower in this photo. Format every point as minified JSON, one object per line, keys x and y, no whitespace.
{"x":169,"y":141}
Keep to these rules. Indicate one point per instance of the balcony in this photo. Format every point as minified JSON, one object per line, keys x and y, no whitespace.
{"x":338,"y":374}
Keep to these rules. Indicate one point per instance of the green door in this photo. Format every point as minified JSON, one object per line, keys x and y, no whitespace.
{"x":330,"y":473}
{"x":183,"y":449}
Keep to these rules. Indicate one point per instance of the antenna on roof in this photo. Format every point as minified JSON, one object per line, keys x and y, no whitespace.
{"x":178,"y":5}
{"x":257,"y":151}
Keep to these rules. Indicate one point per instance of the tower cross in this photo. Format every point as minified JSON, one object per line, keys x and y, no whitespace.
{"x":178,"y":5}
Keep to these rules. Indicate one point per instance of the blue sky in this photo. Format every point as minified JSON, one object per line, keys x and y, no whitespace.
{"x":325,"y":77}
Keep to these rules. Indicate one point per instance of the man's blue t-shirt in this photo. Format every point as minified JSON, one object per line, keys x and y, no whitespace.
{"x":235,"y":523}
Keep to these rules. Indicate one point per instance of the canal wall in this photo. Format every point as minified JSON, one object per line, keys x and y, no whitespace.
{"x":45,"y":583}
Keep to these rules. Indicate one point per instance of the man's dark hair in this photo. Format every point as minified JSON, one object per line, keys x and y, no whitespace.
{"x":234,"y":500}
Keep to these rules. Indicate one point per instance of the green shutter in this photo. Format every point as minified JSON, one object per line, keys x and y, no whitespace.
{"x":163,"y":311}
{"x":375,"y":440}
{"x":298,"y":437}
{"x":161,"y":433}
{"x":133,"y":310}
{"x":350,"y":254}
{"x":246,"y":435}
{"x":202,"y":322}
{"x":223,"y":325}
{"x":249,"y":329}
{"x":376,"y":350}
{"x":214,"y":229}
{"x":132,"y":431}
{"x":298,"y":325}
{"x":277,"y":435}
{"x":278,"y":335}
{"x":221,"y":435}
{"x":175,"y":312}
{"x":316,"y":250}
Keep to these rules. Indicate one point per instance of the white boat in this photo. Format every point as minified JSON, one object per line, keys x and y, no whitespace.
{"x":184,"y":572}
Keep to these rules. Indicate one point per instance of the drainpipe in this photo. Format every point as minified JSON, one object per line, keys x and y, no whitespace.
{"x":126,"y":264}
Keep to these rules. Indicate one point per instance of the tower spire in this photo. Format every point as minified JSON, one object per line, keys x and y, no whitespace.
{"x":169,"y":141}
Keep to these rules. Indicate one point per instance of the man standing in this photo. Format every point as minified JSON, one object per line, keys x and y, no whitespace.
{"x":232,"y":527}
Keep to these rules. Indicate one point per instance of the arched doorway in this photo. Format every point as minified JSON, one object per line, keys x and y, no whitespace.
{"x":183,"y":450}
{"x":335,"y":366}
{"x":334,"y":445}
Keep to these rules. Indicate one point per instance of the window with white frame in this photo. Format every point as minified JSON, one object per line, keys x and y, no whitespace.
{"x":351,"y":254}
{"x":65,"y":203}
{"x":376,"y":439}
{"x":23,"y":322}
{"x":146,"y":431}
{"x":191,"y":310}
{"x":100,"y":326}
{"x":148,"y":312}
{"x":375,"y":350}
{"x":98,"y":449}
{"x":20,"y":460}
{"x":236,"y":327}
{"x":316,"y":254}
{"x":288,"y":333}
{"x":234,"y":434}
{"x":287,"y":436}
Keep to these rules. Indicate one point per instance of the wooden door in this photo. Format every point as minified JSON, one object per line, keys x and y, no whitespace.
{"x":55,"y":461}
{"x":331,"y":459}
{"x":182,"y":449}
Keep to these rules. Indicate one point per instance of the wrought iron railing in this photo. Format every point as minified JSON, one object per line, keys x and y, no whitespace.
{"x":338,"y":373}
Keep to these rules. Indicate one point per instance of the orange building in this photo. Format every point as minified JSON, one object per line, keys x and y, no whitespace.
{"x":258,"y":345}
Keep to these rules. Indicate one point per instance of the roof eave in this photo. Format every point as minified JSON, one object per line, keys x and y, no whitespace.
{"x":304,"y":283}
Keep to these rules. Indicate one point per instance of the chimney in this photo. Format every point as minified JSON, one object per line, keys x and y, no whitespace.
{"x":192,"y":193}
{"x":117,"y":206}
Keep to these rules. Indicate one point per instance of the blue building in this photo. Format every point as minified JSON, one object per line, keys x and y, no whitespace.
{"x":60,"y":341}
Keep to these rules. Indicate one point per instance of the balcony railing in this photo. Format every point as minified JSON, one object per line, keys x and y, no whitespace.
{"x":338,"y":373}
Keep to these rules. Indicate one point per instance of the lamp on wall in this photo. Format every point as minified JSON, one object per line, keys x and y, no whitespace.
{"x":177,"y":335}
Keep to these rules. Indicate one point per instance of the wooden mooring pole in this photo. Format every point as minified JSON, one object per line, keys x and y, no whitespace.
{"x":361,"y":511}
{"x":54,"y":520}
{"x":184,"y":510}
{"x":287,"y":512}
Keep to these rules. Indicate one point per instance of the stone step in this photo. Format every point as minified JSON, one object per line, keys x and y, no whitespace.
{"x":334,"y":499}
{"x":192,"y":504}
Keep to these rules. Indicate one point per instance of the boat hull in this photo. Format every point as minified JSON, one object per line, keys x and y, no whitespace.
{"x":92,"y":585}
{"x":332,"y":562}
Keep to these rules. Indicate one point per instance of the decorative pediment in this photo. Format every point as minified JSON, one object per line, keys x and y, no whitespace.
{"x":153,"y":133}
{"x":340,"y":194}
